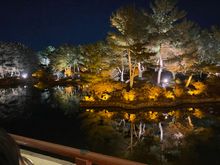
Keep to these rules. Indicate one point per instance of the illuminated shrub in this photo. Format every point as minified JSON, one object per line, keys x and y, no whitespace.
{"x":143,"y":92}
{"x":105,"y":96}
{"x":199,"y":88}
{"x":88,"y":98}
{"x":105,"y":74}
{"x":103,"y":89}
{"x":178,"y":91}
{"x":154,"y":93}
{"x":169,"y":95}
{"x":129,"y":96}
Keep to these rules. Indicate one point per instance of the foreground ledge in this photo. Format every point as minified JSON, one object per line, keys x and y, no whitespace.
{"x":149,"y":104}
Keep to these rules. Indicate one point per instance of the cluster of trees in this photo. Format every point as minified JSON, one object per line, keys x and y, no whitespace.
{"x":16,"y":59}
{"x":159,"y":39}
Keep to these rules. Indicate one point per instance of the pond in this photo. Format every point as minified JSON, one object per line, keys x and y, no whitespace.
{"x":186,"y":135}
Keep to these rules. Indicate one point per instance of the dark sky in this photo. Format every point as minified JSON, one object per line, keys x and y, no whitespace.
{"x":39,"y":23}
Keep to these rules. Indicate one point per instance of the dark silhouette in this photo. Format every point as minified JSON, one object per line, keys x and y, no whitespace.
{"x":9,"y":151}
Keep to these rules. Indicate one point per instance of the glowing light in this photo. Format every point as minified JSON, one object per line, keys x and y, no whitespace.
{"x":169,"y":95}
{"x":166,"y":80}
{"x":24,"y":75}
{"x":105,"y":97}
{"x":89,"y":98}
{"x":129,"y":96}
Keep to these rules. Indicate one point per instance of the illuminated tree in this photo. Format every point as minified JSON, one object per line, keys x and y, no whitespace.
{"x":167,"y":29}
{"x":16,"y":60}
{"x":96,"y":57}
{"x":209,"y":50}
{"x":127,"y":41}
{"x":66,"y":58}
{"x":43,"y":55}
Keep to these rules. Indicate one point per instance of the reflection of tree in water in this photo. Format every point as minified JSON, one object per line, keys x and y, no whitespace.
{"x":13,"y":102}
{"x":154,"y":137}
{"x":65,"y":98}
{"x":101,"y":135}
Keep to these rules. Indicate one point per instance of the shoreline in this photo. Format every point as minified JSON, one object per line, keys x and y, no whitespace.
{"x":152,"y":104}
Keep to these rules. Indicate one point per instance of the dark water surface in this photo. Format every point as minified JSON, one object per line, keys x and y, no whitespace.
{"x":187,"y":135}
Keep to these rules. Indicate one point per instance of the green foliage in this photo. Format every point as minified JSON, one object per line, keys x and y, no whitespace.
{"x":96,"y":56}
{"x":165,"y":15}
{"x":66,"y":56}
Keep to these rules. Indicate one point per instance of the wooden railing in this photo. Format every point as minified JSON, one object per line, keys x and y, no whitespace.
{"x":80,"y":157}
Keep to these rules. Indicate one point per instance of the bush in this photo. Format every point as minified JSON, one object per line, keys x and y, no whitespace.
{"x":199,"y":88}
{"x":178,"y":91}
{"x":169,"y":95}
{"x":129,"y":96}
{"x":154,"y":93}
{"x":101,"y":89}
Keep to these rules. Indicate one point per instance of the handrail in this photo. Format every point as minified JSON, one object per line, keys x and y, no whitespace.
{"x":81,"y":156}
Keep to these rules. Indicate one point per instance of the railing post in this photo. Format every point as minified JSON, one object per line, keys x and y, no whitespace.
{"x":80,"y":161}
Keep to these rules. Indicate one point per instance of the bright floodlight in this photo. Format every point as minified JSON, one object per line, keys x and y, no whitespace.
{"x":166,"y":80}
{"x":24,"y":75}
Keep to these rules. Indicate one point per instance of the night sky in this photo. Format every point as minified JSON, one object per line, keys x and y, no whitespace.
{"x":39,"y":23}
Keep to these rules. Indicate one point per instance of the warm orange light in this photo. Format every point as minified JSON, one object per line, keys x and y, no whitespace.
{"x":89,"y":98}
{"x":129,"y":96}
{"x":169,"y":95}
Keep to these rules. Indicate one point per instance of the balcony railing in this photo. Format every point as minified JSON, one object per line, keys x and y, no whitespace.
{"x":79,"y":157}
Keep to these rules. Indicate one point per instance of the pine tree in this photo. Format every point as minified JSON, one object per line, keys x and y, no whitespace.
{"x":127,"y":41}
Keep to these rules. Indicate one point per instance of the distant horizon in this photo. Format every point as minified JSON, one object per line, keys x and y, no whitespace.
{"x":38,"y":24}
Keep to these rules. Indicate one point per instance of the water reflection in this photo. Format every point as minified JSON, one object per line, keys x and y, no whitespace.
{"x":175,"y":136}
{"x":156,"y":137}
{"x":63,"y":98}
{"x":13,"y":101}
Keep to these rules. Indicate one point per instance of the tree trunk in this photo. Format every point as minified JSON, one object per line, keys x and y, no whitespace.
{"x":78,"y":68}
{"x":189,"y":80}
{"x":130,"y":70}
{"x":200,"y":74}
{"x":122,"y":70}
{"x":122,"y":76}
{"x":140,"y":70}
{"x":160,"y":67}
{"x":161,"y":131}
{"x":174,"y":75}
{"x":159,"y":75}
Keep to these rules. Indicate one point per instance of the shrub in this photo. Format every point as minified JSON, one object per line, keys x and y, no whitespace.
{"x":129,"y":96}
{"x":154,"y":93}
{"x":103,"y":89}
{"x":169,"y":95}
{"x":178,"y":91}
{"x":199,"y":88}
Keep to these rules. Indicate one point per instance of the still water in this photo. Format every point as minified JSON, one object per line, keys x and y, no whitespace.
{"x":186,"y":135}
